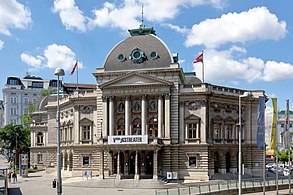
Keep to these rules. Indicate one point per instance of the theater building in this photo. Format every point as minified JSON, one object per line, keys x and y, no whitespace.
{"x":147,"y":118}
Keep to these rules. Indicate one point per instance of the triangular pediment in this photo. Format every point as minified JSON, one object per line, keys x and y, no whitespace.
{"x":192,"y":117}
{"x":135,"y":79}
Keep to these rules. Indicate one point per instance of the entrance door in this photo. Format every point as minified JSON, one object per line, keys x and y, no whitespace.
{"x":228,"y":159}
{"x":121,"y":163}
{"x":114,"y":163}
{"x":149,"y":163}
{"x":216,"y":162}
{"x":132,"y":163}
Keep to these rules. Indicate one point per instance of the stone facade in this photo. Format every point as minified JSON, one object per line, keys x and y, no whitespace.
{"x":145,"y":121}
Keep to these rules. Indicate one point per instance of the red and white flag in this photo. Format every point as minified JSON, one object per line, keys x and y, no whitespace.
{"x":74,"y":67}
{"x":198,"y":59}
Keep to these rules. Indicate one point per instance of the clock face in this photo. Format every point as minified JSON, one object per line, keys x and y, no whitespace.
{"x":137,"y":56}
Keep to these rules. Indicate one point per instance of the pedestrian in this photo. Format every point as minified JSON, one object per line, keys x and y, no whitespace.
{"x":14,"y":177}
{"x":9,"y":176}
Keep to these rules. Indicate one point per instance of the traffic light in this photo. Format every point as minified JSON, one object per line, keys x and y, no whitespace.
{"x":54,"y":183}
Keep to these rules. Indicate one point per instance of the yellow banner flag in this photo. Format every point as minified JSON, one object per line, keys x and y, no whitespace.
{"x":274,"y":125}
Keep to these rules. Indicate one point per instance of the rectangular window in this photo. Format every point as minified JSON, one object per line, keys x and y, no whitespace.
{"x":25,"y":111}
{"x":86,"y":132}
{"x":13,"y":121}
{"x":192,"y":130}
{"x":13,"y":111}
{"x":13,"y":100}
{"x":70,"y":133}
{"x":40,"y":158}
{"x":85,"y":161}
{"x":37,"y":84}
{"x":192,"y":161}
{"x":229,"y":129}
{"x":25,"y":100}
{"x":217,"y":133}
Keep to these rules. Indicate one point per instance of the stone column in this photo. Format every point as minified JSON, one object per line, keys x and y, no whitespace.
{"x":197,"y":131}
{"x":155,"y":165}
{"x":68,"y":161}
{"x":167,"y":116}
{"x":111,"y":117}
{"x":33,"y":139}
{"x":160,"y":116}
{"x":64,"y":160}
{"x":182,"y":126}
{"x":76,"y":125}
{"x":143,"y":115}
{"x":105,"y":117}
{"x":136,"y":175}
{"x":118,"y":166}
{"x":127,"y":115}
{"x":186,"y":132}
{"x":101,"y":175}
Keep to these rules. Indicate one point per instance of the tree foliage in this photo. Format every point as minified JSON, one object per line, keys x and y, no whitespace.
{"x":15,"y":138}
{"x":283,"y":156}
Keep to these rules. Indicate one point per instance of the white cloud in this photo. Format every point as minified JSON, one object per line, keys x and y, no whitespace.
{"x":255,"y":24}
{"x":13,"y":15}
{"x":127,"y":14}
{"x":71,"y":16}
{"x":124,"y":14}
{"x":1,"y":44}
{"x":60,"y":56}
{"x":177,"y":28}
{"x":34,"y":62}
{"x":221,"y":66}
{"x":54,"y":56}
{"x":117,"y":17}
{"x":277,"y":71}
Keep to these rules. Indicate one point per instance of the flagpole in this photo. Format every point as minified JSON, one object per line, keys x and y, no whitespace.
{"x":77,"y":76}
{"x":289,"y":143}
{"x":202,"y":69}
{"x":264,"y":153}
{"x":277,"y":152}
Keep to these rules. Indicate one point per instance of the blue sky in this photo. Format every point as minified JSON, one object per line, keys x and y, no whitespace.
{"x":247,"y":44}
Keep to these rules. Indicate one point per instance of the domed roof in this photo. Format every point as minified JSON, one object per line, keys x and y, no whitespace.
{"x":192,"y":79}
{"x":142,"y":50}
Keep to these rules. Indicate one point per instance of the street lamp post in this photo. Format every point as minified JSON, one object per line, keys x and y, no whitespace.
{"x":245,"y":94}
{"x":58,"y":72}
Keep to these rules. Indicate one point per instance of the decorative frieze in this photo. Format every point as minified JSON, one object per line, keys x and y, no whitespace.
{"x":196,"y":105}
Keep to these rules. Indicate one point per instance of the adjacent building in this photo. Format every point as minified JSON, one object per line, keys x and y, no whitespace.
{"x":19,"y":93}
{"x":147,"y":118}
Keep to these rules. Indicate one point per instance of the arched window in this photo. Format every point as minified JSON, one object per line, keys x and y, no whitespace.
{"x":40,"y":138}
{"x":136,"y":130}
{"x":121,"y":127}
{"x":153,"y":127}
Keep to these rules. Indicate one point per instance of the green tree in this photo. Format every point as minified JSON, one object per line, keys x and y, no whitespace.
{"x":15,"y":138}
{"x":283,"y":156}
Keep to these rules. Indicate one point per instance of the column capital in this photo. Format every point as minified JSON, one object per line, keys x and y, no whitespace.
{"x":104,"y":98}
{"x":127,"y":97}
{"x":111,"y":98}
{"x":167,"y":96}
{"x":144,"y":97}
